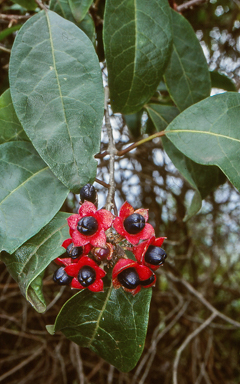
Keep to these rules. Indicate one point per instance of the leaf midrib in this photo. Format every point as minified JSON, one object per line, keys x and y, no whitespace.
{"x":202,"y":132}
{"x":100,"y":316}
{"x":59,"y":88}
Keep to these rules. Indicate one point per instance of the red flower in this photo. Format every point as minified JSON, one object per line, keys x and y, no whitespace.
{"x":89,"y":225}
{"x":86,"y":274}
{"x":132,"y":276}
{"x":144,"y":230}
{"x":155,"y":256}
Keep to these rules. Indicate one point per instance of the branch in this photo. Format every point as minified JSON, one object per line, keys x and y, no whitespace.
{"x":140,"y":142}
{"x":132,"y":146}
{"x":190,"y":4}
{"x":112,"y":152}
{"x":40,"y":4}
{"x":2,"y":48}
{"x":153,"y":349}
{"x":186,"y":342}
{"x":23,"y":363}
{"x":16,"y":18}
{"x":203,"y":300}
{"x":102,"y":183}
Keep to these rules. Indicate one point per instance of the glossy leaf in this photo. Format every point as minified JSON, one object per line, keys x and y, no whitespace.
{"x":187,"y":76}
{"x":30,"y":194}
{"x":30,"y":5}
{"x":10,"y":127}
{"x":203,"y":179}
{"x":208,"y":133}
{"x":28,"y":263}
{"x":112,"y":323}
{"x":60,"y":106}
{"x":219,"y":80}
{"x":79,"y":8}
{"x":137,"y":41}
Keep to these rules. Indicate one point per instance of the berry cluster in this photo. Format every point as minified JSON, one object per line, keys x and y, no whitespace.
{"x":93,"y":244}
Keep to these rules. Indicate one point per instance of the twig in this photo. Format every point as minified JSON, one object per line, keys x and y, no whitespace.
{"x":101,"y":155}
{"x":56,"y":298}
{"x":180,"y":308}
{"x":16,"y":18}
{"x":79,"y":363}
{"x":190,"y":4}
{"x":203,"y":300}
{"x":21,"y":334}
{"x":132,"y":146}
{"x":62,"y":362}
{"x":140,"y":142}
{"x":112,"y":152}
{"x":102,"y":183}
{"x":95,"y":369}
{"x":186,"y":342}
{"x":40,"y":4}
{"x":110,"y":374}
{"x":22,"y":364}
{"x":159,"y":337}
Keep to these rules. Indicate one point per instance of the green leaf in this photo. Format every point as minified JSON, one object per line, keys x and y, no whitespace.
{"x":30,"y":194}
{"x":28,"y":263}
{"x":112,"y":323}
{"x":187,"y":76}
{"x":60,"y":106}
{"x":79,"y":8}
{"x":134,"y":123}
{"x":203,"y":179}
{"x":62,"y":8}
{"x":161,"y":115}
{"x":219,"y":80}
{"x":208,"y":133}
{"x":137,"y":40}
{"x":10,"y":127}
{"x":30,"y":5}
{"x":87,"y":26}
{"x":8,"y":31}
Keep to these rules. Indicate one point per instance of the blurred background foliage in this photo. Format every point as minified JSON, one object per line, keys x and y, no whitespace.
{"x":203,"y":253}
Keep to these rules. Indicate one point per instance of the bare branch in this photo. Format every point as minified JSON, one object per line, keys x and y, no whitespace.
{"x":190,"y":4}
{"x":186,"y":342}
{"x":112,"y":152}
{"x":203,"y":300}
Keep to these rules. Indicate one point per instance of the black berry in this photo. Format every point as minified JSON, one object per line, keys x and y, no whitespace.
{"x":155,"y":255}
{"x":129,"y":278}
{"x":61,"y":277}
{"x":134,"y":223}
{"x":87,"y":226}
{"x":74,"y":252}
{"x":149,"y":281}
{"x":88,"y":193}
{"x":86,"y":276}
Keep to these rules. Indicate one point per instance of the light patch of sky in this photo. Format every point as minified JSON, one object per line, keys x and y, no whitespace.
{"x":175,"y":184}
{"x":158,"y":157}
{"x":219,"y":11}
